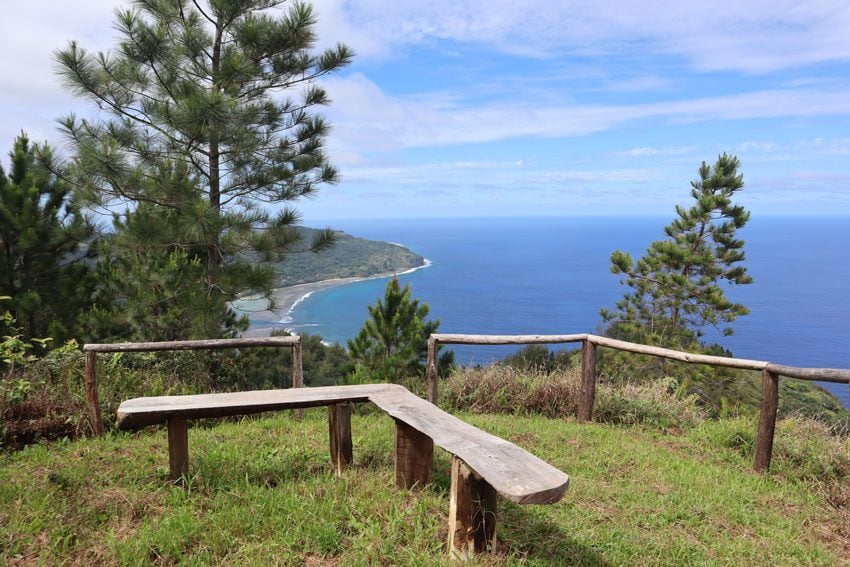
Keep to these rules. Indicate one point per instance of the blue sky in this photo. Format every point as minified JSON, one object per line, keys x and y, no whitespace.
{"x":492,"y":108}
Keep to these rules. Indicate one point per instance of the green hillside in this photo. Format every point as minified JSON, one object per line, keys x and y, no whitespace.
{"x":349,"y":257}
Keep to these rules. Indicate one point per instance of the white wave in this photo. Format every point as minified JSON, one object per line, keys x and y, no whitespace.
{"x":424,"y":265}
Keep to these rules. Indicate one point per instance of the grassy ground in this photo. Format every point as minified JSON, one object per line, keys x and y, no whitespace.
{"x":261,"y":492}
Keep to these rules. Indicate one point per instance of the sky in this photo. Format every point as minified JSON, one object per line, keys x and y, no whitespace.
{"x":535,"y":108}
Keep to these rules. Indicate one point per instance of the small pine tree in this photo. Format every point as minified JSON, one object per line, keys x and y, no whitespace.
{"x":676,"y":285}
{"x":393,"y":343}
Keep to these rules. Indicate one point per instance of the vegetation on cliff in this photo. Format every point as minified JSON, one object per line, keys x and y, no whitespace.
{"x":349,"y":257}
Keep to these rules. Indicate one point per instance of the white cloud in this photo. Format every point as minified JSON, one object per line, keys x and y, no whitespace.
{"x":755,"y":146}
{"x":31,"y":95}
{"x":366,"y":118}
{"x":832,"y":147}
{"x":428,"y":171}
{"x":754,"y":36}
{"x":667,"y":151}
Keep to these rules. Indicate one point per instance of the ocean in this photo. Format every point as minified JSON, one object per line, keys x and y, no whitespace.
{"x":551,"y":276}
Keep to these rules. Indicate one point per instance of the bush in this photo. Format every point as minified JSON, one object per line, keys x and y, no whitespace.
{"x":653,"y":404}
{"x":803,"y":447}
{"x":811,"y":448}
{"x":539,"y":357}
{"x":40,"y":400}
{"x":504,"y":389}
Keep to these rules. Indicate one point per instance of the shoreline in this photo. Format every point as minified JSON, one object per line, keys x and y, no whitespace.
{"x":264,"y":321}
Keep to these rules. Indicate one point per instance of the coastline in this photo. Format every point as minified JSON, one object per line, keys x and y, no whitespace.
{"x":264,"y":321}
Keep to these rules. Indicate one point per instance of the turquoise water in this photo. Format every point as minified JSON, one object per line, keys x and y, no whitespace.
{"x":551,"y":275}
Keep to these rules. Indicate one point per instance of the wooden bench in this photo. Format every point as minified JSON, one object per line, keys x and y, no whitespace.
{"x":483,"y":465}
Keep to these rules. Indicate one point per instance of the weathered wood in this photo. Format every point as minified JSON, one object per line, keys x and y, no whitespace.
{"x":515,"y":473}
{"x":678,"y":355}
{"x":297,"y":374}
{"x":178,"y":447}
{"x":139,"y":412}
{"x":767,"y":420}
{"x":194,"y":345}
{"x":472,"y":513}
{"x":432,"y":370}
{"x":446,"y":338}
{"x":588,"y":381}
{"x":92,"y":398}
{"x":339,"y":426}
{"x":836,"y":375}
{"x":414,"y":456}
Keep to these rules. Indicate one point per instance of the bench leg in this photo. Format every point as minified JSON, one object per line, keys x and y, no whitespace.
{"x":472,"y":513}
{"x":414,"y":454}
{"x":178,"y":447}
{"x":339,"y":424}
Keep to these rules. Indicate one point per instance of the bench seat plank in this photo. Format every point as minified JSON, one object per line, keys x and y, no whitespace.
{"x":139,"y":412}
{"x":515,"y":473}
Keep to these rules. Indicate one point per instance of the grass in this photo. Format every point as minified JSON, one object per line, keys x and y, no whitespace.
{"x":262,"y":492}
{"x":503,"y":389}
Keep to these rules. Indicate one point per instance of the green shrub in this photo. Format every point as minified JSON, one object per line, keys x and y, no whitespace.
{"x":737,"y":433}
{"x":42,"y":400}
{"x":653,"y":404}
{"x":539,"y":357}
{"x":803,"y":447}
{"x":505,"y":389}
{"x":811,"y":449}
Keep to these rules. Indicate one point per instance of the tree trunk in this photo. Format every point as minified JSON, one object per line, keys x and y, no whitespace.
{"x":213,"y":248}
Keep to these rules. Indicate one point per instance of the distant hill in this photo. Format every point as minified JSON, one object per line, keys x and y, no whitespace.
{"x":349,"y":257}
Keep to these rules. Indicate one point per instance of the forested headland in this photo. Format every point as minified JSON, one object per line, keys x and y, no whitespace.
{"x":349,"y":257}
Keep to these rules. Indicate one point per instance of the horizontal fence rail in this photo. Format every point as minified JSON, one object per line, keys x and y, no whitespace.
{"x":91,"y":350}
{"x":206,"y":344}
{"x":770,"y":373}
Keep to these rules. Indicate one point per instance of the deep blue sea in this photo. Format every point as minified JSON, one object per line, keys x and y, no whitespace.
{"x":551,"y":275}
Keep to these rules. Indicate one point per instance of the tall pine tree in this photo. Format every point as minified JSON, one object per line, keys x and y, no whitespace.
{"x":227,"y":89}
{"x":677,"y":285}
{"x":44,"y":239}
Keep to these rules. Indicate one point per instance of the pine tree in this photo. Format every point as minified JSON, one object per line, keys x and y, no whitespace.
{"x":393,"y":343}
{"x":43,"y":241}
{"x":676,"y":285}
{"x":226,"y":89}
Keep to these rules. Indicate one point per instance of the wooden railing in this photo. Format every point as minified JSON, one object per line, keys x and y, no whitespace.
{"x":91,"y":351}
{"x":770,"y":374}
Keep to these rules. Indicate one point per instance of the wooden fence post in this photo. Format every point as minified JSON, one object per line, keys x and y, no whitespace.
{"x":767,"y":420}
{"x":297,"y":373}
{"x":92,"y":398}
{"x":587,"y":396}
{"x":432,"y":370}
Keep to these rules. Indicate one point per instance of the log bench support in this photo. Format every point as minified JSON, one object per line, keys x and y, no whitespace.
{"x":414,"y":455}
{"x":472,"y":513}
{"x":339,"y":425}
{"x":178,"y":448}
